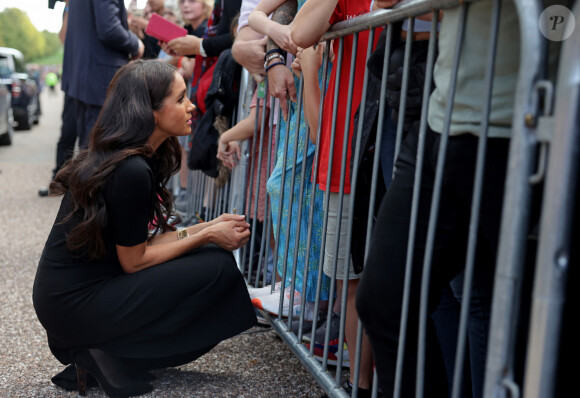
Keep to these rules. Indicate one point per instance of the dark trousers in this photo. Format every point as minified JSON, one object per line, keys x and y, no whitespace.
{"x":68,"y":133}
{"x":87,"y":115}
{"x":380,"y":293}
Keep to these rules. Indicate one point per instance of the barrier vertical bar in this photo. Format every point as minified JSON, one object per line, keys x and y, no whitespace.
{"x":552,"y":263}
{"x":300,"y":204}
{"x":326,"y":204}
{"x":476,"y":201}
{"x":375,"y":174}
{"x":291,"y":200}
{"x":263,"y":245}
{"x":249,"y":191}
{"x":311,"y":212}
{"x":433,"y":214}
{"x":257,"y":189}
{"x":282,"y":183}
{"x":404,"y":88}
{"x":238,"y":178}
{"x":516,"y":206}
{"x":356,"y":155}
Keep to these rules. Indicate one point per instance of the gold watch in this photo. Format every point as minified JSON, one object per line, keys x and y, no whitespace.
{"x":182,"y":233}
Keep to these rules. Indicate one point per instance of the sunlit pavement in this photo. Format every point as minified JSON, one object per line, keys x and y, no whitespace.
{"x":256,"y":364}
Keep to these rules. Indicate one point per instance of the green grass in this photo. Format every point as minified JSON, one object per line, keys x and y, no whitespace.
{"x":54,"y":59}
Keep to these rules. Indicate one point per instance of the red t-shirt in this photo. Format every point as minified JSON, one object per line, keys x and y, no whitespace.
{"x":345,"y":9}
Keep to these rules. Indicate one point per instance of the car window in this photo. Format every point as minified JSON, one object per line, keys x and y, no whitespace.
{"x":4,"y":68}
{"x":19,"y":65}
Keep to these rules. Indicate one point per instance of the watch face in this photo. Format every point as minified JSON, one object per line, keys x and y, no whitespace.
{"x":182,"y":233}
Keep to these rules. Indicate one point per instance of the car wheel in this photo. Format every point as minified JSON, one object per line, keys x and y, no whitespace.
{"x":26,"y":122}
{"x":37,"y":113}
{"x":6,"y":138}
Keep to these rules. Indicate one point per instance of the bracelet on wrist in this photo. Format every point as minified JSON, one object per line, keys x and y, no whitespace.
{"x":275,"y":51}
{"x":275,"y":64}
{"x":273,"y":56}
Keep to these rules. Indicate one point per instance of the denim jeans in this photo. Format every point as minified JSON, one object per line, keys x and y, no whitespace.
{"x":446,"y":320}
{"x":388,"y":143}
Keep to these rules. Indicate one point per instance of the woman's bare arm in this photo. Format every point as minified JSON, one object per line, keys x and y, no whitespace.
{"x":229,"y":231}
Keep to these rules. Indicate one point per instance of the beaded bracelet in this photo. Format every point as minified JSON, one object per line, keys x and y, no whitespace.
{"x":271,"y":57}
{"x":275,"y":50}
{"x":275,"y":64}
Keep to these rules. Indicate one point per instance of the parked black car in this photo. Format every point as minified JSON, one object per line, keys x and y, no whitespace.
{"x":6,"y":119}
{"x":24,"y":89}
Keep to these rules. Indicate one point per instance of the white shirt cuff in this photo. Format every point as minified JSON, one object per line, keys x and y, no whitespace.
{"x":201,"y":50}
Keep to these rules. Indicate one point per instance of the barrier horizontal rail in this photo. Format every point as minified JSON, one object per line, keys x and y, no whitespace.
{"x":401,"y":11}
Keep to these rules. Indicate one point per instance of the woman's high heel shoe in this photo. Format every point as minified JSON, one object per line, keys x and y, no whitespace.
{"x":109,"y":373}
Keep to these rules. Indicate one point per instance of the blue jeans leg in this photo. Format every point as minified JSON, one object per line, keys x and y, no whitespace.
{"x":477,"y":324}
{"x":388,"y":142}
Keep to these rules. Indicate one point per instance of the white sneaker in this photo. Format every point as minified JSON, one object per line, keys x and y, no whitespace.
{"x":263,"y":291}
{"x":308,"y":311}
{"x":271,"y":303}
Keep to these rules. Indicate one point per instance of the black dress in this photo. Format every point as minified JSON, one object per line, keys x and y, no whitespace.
{"x":164,"y":315}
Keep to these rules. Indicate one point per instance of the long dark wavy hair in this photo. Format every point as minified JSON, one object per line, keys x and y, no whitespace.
{"x":122,"y":129}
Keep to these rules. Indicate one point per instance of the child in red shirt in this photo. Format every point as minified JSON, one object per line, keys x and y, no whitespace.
{"x":311,"y":22}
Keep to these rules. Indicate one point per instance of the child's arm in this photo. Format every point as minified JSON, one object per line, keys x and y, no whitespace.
{"x":227,"y":145}
{"x":309,"y":62}
{"x":228,"y":142}
{"x":312,"y":21}
{"x":260,"y":22}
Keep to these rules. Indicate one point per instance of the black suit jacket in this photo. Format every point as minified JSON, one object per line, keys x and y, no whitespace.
{"x":98,"y":42}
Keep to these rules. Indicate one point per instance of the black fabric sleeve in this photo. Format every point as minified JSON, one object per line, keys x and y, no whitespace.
{"x":129,"y":202}
{"x":223,"y":39}
{"x":152,"y":47}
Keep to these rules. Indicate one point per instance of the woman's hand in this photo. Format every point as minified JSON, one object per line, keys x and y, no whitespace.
{"x":186,"y":45}
{"x":281,"y":34}
{"x":230,"y":235}
{"x":228,"y":217}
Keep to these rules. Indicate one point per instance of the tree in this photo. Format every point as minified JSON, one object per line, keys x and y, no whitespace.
{"x":16,"y":31}
{"x":52,"y":42}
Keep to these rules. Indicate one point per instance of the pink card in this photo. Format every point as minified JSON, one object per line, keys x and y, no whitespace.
{"x":164,"y":30}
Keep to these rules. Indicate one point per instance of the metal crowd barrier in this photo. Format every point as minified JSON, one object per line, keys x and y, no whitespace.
{"x":530,"y":131}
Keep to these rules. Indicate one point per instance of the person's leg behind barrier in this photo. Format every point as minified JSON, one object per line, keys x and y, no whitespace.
{"x":380,"y":296}
{"x":87,"y":115}
{"x":68,"y":133}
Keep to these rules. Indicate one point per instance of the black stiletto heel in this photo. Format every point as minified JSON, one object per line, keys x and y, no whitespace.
{"x":82,"y":380}
{"x":108,"y":372}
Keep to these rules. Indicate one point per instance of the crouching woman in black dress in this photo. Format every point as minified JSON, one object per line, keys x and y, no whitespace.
{"x":118,"y":291}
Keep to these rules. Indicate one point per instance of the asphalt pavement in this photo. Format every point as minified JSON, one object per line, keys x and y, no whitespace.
{"x":254,"y":364}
